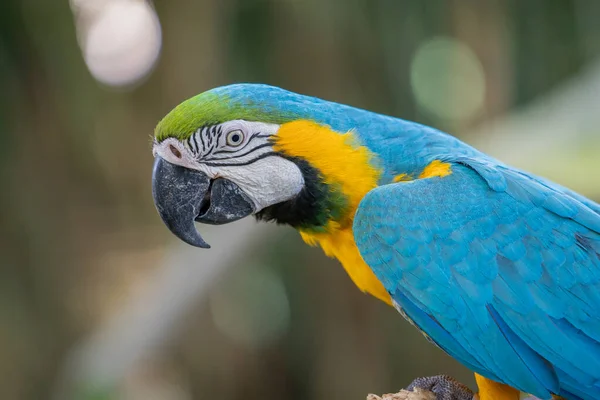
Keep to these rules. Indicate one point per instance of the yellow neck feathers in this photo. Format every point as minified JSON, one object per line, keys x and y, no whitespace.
{"x":342,"y":162}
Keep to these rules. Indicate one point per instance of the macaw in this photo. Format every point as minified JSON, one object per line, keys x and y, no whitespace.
{"x":497,"y":267}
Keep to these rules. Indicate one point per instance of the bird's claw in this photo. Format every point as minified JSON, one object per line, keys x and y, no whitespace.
{"x":444,"y":387}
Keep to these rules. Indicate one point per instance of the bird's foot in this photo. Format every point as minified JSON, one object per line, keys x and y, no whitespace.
{"x":444,"y":387}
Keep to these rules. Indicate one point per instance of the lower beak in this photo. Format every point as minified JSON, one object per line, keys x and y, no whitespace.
{"x":183,"y":195}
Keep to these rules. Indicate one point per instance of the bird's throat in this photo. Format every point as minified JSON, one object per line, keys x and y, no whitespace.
{"x":348,"y":169}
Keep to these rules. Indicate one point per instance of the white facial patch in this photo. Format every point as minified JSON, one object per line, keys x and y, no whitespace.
{"x":239,"y":151}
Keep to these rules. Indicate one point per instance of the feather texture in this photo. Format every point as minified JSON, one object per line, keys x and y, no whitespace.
{"x":500,"y":269}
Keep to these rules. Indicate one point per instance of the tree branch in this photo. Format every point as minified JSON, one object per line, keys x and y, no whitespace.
{"x":417,"y":394}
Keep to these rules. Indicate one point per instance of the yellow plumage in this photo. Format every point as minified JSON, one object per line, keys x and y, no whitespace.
{"x":343,"y":162}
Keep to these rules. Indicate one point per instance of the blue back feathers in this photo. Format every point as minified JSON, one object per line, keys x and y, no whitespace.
{"x":401,"y":146}
{"x":499,"y":267}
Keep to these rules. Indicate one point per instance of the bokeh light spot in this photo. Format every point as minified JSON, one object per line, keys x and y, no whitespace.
{"x":448,"y":79}
{"x":121,"y":41}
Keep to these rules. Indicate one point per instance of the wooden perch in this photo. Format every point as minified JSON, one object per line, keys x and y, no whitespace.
{"x":417,"y":394}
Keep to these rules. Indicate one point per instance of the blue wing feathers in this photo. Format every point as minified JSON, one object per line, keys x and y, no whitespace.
{"x":499,"y":268}
{"x":536,"y":364}
{"x":444,"y":339}
{"x":486,"y":235}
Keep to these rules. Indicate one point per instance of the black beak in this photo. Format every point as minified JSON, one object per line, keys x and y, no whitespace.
{"x":182,"y":196}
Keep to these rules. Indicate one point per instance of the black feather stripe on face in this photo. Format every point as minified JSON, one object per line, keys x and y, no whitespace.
{"x":310,"y":209}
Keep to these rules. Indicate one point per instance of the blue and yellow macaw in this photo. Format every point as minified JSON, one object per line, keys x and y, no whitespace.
{"x":496,"y":266}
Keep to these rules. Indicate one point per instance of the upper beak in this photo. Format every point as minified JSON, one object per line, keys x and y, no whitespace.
{"x":182,"y":196}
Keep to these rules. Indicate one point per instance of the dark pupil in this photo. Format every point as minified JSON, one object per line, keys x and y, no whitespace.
{"x":235,"y":138}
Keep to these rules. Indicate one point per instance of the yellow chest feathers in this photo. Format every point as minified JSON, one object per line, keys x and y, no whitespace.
{"x":344,"y":163}
{"x":341,"y":246}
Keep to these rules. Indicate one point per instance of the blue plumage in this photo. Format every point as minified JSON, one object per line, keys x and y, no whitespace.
{"x":401,"y":146}
{"x":514,"y":284}
{"x":498,"y":267}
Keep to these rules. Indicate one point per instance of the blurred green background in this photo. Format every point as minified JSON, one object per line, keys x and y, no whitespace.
{"x":99,"y":301}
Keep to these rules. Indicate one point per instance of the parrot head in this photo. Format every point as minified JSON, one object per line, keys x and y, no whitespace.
{"x":251,"y":149}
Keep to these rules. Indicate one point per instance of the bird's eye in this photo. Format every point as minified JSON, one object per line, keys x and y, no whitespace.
{"x":235,"y":138}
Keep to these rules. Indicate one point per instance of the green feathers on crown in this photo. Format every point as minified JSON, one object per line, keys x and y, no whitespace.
{"x":211,"y":108}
